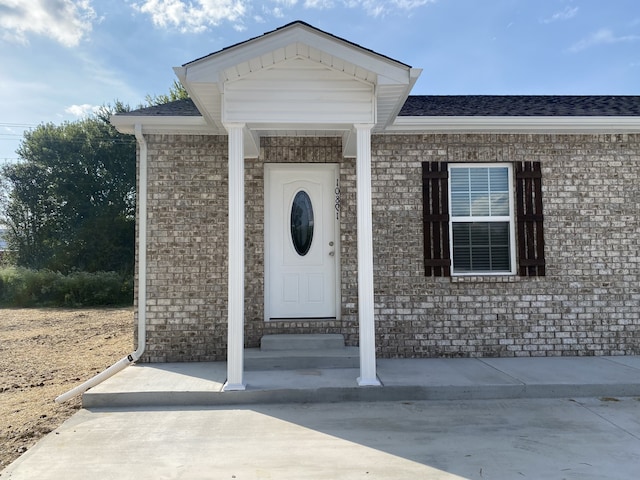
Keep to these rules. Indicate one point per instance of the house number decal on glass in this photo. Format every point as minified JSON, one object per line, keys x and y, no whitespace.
{"x":302,"y":223}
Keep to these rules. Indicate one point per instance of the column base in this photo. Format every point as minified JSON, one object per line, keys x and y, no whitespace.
{"x":233,"y":387}
{"x":369,"y":382}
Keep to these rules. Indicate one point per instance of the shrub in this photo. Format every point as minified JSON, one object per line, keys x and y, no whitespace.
{"x":22,"y":287}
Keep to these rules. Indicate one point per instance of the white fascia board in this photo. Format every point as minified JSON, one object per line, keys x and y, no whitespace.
{"x":515,"y":124}
{"x":384,"y":67}
{"x":414,"y":74}
{"x":181,"y":73}
{"x":191,"y":125}
{"x":200,"y":70}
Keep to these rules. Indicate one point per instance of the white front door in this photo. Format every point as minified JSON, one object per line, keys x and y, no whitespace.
{"x":301,"y":256}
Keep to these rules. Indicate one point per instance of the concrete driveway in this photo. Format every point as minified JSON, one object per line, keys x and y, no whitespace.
{"x":580,"y":438}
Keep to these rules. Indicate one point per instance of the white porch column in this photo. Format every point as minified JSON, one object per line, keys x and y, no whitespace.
{"x":235,"y":337}
{"x":368,"y":375}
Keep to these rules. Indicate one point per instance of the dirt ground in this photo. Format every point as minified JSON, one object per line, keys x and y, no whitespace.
{"x":44,"y":353}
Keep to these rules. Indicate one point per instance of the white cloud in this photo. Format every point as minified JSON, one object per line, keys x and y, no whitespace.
{"x":82,"y":110}
{"x":194,"y":16}
{"x":566,"y":14}
{"x":318,"y":4}
{"x":603,"y":36}
{"x":65,"y":21}
{"x":379,"y":7}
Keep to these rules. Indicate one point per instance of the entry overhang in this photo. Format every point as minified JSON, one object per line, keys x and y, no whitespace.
{"x":297,"y":76}
{"x":295,"y":81}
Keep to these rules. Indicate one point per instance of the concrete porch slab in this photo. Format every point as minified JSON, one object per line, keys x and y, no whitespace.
{"x":429,"y":372}
{"x":630,"y":360}
{"x":565,"y":370}
{"x":553,"y":377}
{"x":187,"y":384}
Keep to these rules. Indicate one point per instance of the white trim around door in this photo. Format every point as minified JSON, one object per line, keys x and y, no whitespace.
{"x":302,"y":241}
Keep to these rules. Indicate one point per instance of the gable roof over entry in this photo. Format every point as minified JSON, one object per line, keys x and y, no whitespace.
{"x":297,"y":64}
{"x":296,"y":80}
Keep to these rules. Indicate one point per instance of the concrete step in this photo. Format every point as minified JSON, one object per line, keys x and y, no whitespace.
{"x":301,"y":351}
{"x":301,"y":342}
{"x":299,"y":359}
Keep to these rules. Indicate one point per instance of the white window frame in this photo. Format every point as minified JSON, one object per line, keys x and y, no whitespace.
{"x":490,"y":219}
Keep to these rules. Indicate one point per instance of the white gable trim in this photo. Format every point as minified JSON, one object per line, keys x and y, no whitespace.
{"x":296,"y":40}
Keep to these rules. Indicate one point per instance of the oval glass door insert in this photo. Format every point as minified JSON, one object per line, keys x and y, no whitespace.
{"x":302,"y":223}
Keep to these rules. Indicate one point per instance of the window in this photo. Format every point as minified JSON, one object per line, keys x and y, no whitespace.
{"x":302,"y":223}
{"x":483,"y":219}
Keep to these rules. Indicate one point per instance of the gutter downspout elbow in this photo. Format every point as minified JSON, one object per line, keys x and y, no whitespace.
{"x":142,"y":282}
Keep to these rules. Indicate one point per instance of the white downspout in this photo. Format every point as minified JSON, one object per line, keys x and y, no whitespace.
{"x":142,"y":282}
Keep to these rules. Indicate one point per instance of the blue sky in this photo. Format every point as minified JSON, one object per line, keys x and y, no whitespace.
{"x":62,"y":58}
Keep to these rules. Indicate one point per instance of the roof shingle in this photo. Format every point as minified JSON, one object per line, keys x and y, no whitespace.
{"x":470,"y":106}
{"x":520,"y":106}
{"x":177,"y":108}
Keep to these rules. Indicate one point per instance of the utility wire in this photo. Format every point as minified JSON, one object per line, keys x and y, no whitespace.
{"x":20,"y":125}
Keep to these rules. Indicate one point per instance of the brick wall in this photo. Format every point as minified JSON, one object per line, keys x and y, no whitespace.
{"x":187,"y":234}
{"x":588,"y":303}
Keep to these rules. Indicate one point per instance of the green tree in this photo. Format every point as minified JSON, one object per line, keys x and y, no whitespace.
{"x":176,"y":92}
{"x":71,"y":199}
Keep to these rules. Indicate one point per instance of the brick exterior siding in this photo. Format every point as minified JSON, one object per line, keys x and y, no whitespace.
{"x":587,"y":304}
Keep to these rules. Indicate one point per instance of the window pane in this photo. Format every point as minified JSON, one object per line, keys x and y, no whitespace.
{"x":461,"y":234}
{"x":480,"y":258}
{"x":302,"y":223}
{"x":500,"y":259}
{"x":461,"y":259}
{"x":499,"y":233}
{"x":460,"y":204}
{"x":480,"y":204}
{"x":459,"y":179}
{"x":479,"y":191}
{"x":481,"y":247}
{"x":479,"y":179}
{"x":479,"y":233}
{"x":499,"y":187}
{"x":462,"y":247}
{"x":499,"y":204}
{"x":499,"y":179}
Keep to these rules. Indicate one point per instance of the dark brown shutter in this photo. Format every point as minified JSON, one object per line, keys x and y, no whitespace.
{"x":529,"y":219}
{"x":435,"y":199}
